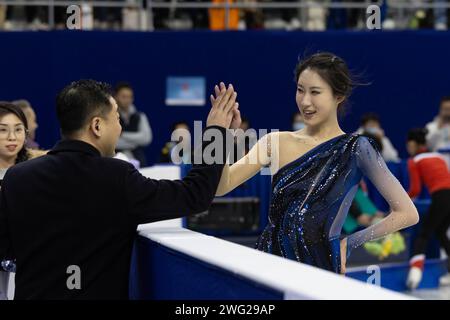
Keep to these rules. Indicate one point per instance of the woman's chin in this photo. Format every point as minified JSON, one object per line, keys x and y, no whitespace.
{"x":9,"y":155}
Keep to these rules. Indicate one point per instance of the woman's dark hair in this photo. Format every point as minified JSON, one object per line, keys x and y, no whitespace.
{"x":9,"y":108}
{"x":418,"y":135}
{"x":370,"y":116}
{"x":334,"y":71}
{"x":80,"y":101}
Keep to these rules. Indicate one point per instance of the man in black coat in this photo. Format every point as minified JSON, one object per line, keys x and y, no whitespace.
{"x":74,"y":212}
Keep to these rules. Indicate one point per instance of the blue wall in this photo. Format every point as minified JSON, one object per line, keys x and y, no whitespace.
{"x":409,"y":72}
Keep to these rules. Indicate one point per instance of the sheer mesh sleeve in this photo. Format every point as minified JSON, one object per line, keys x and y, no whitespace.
{"x":403,"y":212}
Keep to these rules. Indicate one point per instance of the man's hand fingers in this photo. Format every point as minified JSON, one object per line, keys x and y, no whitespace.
{"x":217,"y":90}
{"x":236,"y":112}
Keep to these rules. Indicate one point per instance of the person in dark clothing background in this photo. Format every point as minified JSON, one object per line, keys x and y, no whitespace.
{"x":182,"y":143}
{"x":78,"y":209}
{"x":136,"y":130}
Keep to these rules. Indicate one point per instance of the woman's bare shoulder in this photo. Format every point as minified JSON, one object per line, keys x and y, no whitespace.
{"x":293,"y":136}
{"x":282,"y":134}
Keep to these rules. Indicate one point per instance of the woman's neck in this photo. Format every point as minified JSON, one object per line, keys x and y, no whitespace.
{"x":7,"y":163}
{"x":324,"y":131}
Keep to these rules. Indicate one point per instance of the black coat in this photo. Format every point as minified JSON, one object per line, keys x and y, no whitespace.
{"x":75,"y":207}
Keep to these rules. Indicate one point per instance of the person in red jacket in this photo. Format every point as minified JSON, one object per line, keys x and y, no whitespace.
{"x":429,"y":169}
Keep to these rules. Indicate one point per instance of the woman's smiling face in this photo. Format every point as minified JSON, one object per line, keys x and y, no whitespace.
{"x":315,"y":98}
{"x":12,"y":136}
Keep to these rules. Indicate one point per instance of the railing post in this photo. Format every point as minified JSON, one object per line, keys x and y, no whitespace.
{"x":51,"y":14}
{"x":150,"y":25}
{"x":227,"y":14}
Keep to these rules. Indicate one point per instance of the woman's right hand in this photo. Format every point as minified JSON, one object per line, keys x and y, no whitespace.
{"x":364,"y":220}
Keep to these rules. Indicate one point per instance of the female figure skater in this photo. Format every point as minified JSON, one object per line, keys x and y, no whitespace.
{"x":315,"y":174}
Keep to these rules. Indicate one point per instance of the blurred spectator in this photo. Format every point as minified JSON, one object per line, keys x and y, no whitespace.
{"x":2,"y":16}
{"x":28,"y":110}
{"x":431,"y":170}
{"x":244,"y":140}
{"x":217,"y":17}
{"x":438,"y":136}
{"x":351,"y":18}
{"x":284,"y":19}
{"x":253,"y":16}
{"x":370,"y":123}
{"x":160,"y":16}
{"x":297,"y":121}
{"x":362,"y":213}
{"x":337,"y":17}
{"x":136,"y":131}
{"x":108,"y":17}
{"x":182,"y":142}
{"x":420,"y":18}
{"x":199,"y":17}
{"x":440,"y":16}
{"x":315,"y":17}
{"x":356,"y":16}
{"x":35,"y":17}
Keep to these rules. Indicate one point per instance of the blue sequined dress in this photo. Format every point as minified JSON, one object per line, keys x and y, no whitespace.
{"x":311,"y":197}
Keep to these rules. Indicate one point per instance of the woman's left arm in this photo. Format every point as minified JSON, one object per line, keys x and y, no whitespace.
{"x":403,"y":212}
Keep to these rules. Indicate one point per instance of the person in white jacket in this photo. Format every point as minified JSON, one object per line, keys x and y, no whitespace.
{"x":136,"y":130}
{"x":438,"y":136}
{"x":370,"y":123}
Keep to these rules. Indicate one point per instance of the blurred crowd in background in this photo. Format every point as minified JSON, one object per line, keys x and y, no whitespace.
{"x":308,"y":15}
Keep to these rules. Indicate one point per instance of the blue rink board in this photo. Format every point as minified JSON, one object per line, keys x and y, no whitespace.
{"x":393,"y":275}
{"x":159,"y":273}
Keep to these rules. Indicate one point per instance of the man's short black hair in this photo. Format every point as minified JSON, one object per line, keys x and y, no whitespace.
{"x":122,"y":85}
{"x":370,"y":116}
{"x":81,"y":100}
{"x":418,"y":135}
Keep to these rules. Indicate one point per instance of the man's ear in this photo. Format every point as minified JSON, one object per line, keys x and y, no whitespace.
{"x":96,"y":126}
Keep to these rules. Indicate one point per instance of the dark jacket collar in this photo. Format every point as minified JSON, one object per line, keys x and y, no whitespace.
{"x":67,"y":145}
